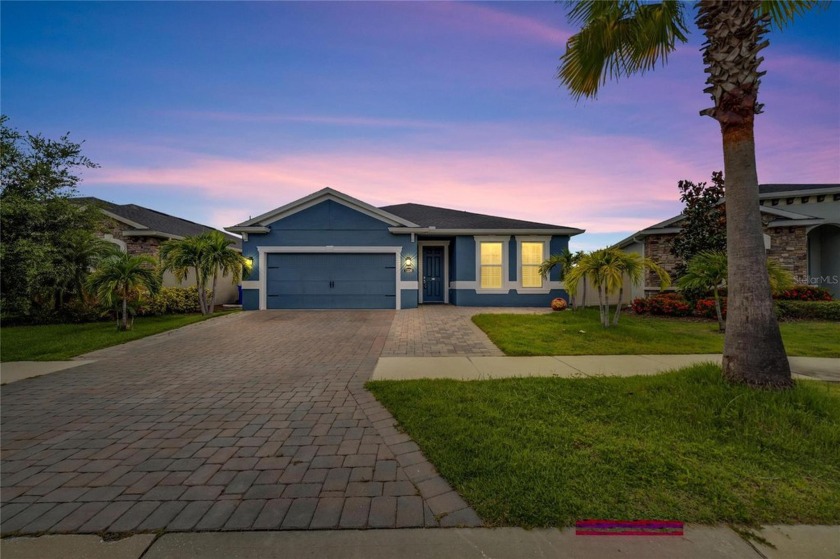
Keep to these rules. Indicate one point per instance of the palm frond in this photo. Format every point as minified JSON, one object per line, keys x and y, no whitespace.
{"x":618,"y":38}
{"x":783,"y":12}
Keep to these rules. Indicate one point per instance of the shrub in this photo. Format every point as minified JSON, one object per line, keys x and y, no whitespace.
{"x":705,"y":308}
{"x":641,"y":305}
{"x":804,"y":293}
{"x":663,"y":304}
{"x":812,"y":310}
{"x":170,"y":300}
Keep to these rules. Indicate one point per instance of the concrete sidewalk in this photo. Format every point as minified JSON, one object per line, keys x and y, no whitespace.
{"x":699,"y":542}
{"x":571,"y":366}
{"x":13,"y":371}
{"x":464,"y":367}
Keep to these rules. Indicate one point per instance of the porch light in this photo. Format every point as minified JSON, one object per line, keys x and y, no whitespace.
{"x":409,"y":264}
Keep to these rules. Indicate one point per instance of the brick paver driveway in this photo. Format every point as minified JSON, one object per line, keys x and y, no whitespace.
{"x":257,"y":420}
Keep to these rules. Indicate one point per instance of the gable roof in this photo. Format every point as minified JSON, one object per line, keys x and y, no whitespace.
{"x":406,"y":218}
{"x":448,"y":219}
{"x":259,"y":224}
{"x":779,"y":190}
{"x":766,"y":191}
{"x":146,"y":222}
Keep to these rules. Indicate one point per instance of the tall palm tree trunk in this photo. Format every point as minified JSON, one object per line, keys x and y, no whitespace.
{"x":753,"y":352}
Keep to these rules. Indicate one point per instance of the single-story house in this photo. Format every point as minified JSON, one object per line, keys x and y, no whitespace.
{"x":801,"y":231}
{"x":329,"y":251}
{"x":139,"y":230}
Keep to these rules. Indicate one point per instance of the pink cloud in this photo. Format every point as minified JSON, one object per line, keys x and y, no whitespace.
{"x":478,"y":20}
{"x":582,"y":181}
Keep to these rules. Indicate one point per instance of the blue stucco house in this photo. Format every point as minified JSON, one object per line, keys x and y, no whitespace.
{"x":331,"y":251}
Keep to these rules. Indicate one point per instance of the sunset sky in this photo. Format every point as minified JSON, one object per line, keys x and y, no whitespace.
{"x":219,"y":111}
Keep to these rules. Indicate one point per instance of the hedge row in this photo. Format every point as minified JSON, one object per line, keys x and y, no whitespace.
{"x":170,"y":300}
{"x":675,"y":305}
{"x":813,"y":310}
{"x":803,"y":293}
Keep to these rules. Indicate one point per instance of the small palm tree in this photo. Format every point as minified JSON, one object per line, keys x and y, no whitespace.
{"x":220,"y":258}
{"x":634,"y":268}
{"x":607,"y":268}
{"x":122,"y":275}
{"x":600,"y":267}
{"x":183,"y":256}
{"x":207,"y":255}
{"x":566,"y":260}
{"x":708,"y":270}
{"x":84,"y":251}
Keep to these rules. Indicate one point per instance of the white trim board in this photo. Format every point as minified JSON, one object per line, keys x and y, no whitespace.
{"x":315,"y":199}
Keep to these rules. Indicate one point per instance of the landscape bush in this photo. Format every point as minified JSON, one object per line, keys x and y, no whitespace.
{"x":663,"y":304}
{"x":803,"y":293}
{"x":808,"y":310}
{"x":170,"y":300}
{"x":674,"y":305}
{"x":705,"y":308}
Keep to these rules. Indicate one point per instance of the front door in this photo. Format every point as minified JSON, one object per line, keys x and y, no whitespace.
{"x":433,"y":275}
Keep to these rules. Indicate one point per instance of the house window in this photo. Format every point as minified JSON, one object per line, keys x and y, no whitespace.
{"x":532,"y":258}
{"x":491,"y":265}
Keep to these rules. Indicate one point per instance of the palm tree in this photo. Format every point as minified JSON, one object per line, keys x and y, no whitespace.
{"x":122,"y":275}
{"x":83,"y":252}
{"x":625,"y":37}
{"x":221,"y":258}
{"x":607,"y":268}
{"x":566,"y":260}
{"x":600,"y":267}
{"x":183,"y":256}
{"x":206,"y":255}
{"x":708,"y":270}
{"x":633,"y":267}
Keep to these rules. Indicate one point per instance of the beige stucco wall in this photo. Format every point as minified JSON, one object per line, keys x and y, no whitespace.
{"x":111,"y":230}
{"x":226,"y":292}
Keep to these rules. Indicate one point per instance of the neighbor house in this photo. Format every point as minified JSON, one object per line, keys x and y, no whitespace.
{"x":139,"y":230}
{"x":801,"y":232}
{"x":331,"y":251}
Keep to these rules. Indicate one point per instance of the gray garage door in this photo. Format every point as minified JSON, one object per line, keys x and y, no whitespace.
{"x":331,"y":281}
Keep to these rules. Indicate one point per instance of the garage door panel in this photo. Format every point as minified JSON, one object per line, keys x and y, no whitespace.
{"x":331,"y":281}
{"x":292,"y":287}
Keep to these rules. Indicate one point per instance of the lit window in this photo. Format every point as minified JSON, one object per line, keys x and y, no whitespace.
{"x":491,"y":265}
{"x":532,"y":258}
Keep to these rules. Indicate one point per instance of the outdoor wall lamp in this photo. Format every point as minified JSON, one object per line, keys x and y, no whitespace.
{"x":409,"y":264}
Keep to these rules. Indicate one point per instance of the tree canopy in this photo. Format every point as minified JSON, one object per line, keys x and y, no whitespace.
{"x":38,"y":178}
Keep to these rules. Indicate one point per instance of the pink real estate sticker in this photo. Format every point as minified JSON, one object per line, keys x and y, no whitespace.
{"x":629,"y":528}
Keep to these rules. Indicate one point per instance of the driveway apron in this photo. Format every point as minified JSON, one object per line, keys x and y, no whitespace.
{"x":257,"y":420}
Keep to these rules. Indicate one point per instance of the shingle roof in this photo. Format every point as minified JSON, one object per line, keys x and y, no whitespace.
{"x":445,"y":218}
{"x":769,"y":189}
{"x":155,"y":220}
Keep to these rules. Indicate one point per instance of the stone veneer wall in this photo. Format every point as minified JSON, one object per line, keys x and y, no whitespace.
{"x":788,"y":246}
{"x":658,"y":248}
{"x":134,"y":245}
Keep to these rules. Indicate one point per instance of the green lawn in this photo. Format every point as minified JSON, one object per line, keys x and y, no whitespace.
{"x":55,"y":342}
{"x":682,"y":445}
{"x":579,"y":333}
